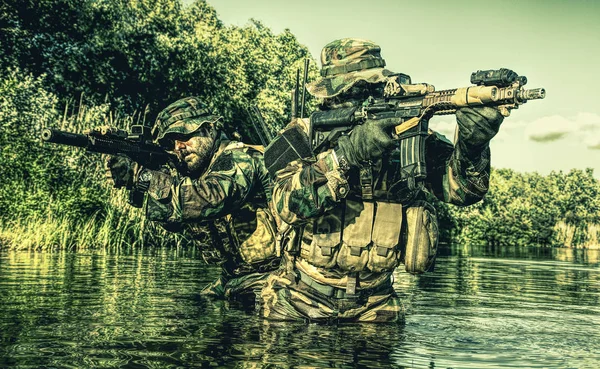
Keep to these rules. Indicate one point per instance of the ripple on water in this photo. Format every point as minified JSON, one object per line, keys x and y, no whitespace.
{"x":481,"y":308}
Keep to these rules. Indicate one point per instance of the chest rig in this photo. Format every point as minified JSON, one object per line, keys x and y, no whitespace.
{"x":382,"y":222}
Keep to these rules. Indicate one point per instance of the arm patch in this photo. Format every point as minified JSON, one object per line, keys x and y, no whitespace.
{"x":223,"y":163}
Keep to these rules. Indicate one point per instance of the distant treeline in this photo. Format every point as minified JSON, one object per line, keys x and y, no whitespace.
{"x":559,"y":209}
{"x":75,"y":64}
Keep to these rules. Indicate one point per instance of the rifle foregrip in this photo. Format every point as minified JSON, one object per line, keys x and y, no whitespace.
{"x":64,"y":138}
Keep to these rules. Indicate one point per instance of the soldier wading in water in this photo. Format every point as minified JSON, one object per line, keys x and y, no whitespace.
{"x":359,"y":208}
{"x":219,"y":194}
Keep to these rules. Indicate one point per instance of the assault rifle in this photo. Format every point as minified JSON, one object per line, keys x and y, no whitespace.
{"x":413,"y":105}
{"x":416,"y":103}
{"x":136,"y":144}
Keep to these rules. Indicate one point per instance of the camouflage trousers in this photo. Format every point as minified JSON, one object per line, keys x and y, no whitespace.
{"x":285,"y":299}
{"x":244,"y":287}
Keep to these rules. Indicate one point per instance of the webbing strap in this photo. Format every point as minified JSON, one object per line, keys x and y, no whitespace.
{"x":341,"y":69}
{"x":339,"y":293}
{"x":366,"y":182}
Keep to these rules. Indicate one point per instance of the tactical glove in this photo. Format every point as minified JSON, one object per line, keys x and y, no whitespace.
{"x":366,"y":143}
{"x":120,"y":170}
{"x":476,"y":127}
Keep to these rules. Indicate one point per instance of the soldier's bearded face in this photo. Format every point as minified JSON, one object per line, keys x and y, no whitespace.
{"x":194,"y":153}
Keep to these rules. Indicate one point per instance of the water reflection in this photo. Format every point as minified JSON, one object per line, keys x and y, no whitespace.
{"x":482,"y":307}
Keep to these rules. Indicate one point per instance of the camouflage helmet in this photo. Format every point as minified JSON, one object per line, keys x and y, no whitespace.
{"x":183,"y":118}
{"x":345,"y":62}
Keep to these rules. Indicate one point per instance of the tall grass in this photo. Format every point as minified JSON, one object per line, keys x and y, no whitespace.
{"x":64,"y":201}
{"x":568,"y":235}
{"x":118,"y":226}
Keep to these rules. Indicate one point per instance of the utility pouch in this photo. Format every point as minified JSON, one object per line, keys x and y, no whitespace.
{"x":324,"y":239}
{"x":384,"y":254}
{"x":158,"y":206}
{"x":358,"y":225}
{"x":261,"y":244}
{"x":421,"y":237}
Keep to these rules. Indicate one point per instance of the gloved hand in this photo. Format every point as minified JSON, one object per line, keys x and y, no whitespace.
{"x":367,"y":142}
{"x":120,"y":170}
{"x":477,"y":126}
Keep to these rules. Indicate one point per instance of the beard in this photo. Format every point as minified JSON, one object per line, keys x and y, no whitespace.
{"x":196,"y":154}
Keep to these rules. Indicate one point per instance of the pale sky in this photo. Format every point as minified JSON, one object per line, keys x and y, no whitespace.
{"x":556,"y":44}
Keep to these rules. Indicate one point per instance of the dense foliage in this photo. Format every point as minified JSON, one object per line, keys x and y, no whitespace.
{"x":141,"y":55}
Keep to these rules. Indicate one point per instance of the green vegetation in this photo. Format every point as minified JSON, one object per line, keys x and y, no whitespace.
{"x":560,"y":209}
{"x":75,"y":64}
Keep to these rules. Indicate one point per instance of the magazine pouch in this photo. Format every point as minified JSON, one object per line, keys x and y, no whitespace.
{"x":358,"y":225}
{"x":421,"y":237}
{"x":384,"y":254}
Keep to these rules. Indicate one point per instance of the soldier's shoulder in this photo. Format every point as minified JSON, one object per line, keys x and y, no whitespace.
{"x":302,"y":123}
{"x":235,"y":154}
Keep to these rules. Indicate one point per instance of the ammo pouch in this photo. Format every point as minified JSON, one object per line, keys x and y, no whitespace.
{"x":358,"y":225}
{"x":320,"y":245}
{"x":384,"y":255}
{"x":260,"y":244}
{"x":369,"y":239}
{"x":421,"y":237}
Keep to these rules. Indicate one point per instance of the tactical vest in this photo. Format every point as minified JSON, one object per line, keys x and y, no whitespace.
{"x":243,"y":241}
{"x":383,"y":222}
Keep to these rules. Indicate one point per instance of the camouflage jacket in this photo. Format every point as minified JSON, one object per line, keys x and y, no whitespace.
{"x":225,"y":209}
{"x":338,"y":236}
{"x":303,"y":190}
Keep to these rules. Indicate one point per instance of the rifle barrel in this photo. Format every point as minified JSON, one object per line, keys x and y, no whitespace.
{"x":64,"y":138}
{"x":533,"y":94}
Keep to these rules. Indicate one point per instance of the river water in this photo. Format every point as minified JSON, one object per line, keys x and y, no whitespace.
{"x":502,"y":307}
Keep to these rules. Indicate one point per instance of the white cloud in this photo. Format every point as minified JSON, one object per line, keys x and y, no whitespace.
{"x":583,"y":127}
{"x":547,"y":129}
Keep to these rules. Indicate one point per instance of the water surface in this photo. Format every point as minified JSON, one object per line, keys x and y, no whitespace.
{"x":503,"y":307}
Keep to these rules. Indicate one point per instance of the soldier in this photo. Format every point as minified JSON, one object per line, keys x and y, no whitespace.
{"x":219,"y":193}
{"x":353,"y":218}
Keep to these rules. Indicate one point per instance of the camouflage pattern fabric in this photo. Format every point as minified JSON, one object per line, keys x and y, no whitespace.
{"x":336,"y":243}
{"x":346,"y":62}
{"x":234,"y":175}
{"x":244,"y":287}
{"x":183,"y":117}
{"x":349,"y":55}
{"x":301,"y":190}
{"x":301,"y":194}
{"x":226,"y":211}
{"x":284,"y":299}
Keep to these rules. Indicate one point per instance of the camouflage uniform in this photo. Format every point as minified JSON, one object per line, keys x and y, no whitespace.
{"x":349,"y":228}
{"x":224,"y":207}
